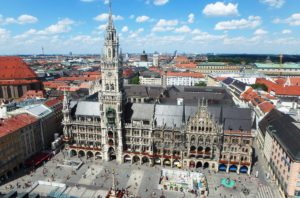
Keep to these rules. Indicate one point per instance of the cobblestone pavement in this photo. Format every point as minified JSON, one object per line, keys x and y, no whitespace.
{"x":142,"y":181}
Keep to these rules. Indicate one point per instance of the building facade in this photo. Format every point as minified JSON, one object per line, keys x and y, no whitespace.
{"x":171,"y":126}
{"x":282,"y":153}
{"x":16,"y":78}
{"x":19,"y":139}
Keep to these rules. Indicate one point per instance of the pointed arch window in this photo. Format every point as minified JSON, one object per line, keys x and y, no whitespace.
{"x":109,"y":53}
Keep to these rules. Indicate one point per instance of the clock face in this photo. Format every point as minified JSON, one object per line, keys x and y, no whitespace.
{"x":109,"y":74}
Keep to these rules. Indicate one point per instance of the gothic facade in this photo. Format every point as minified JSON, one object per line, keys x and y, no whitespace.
{"x":184,"y":127}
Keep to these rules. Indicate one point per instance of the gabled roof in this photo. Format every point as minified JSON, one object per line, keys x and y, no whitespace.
{"x":14,"y":68}
{"x":287,"y":134}
{"x":88,"y":108}
{"x":15,"y":123}
{"x":228,"y":81}
{"x":266,"y":106}
{"x":274,"y":114}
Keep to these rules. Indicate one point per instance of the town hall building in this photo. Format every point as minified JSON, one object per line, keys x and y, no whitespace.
{"x":183,"y":127}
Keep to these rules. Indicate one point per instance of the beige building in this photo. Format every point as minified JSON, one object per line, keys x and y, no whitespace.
{"x":282,"y":153}
{"x":216,"y":67}
{"x":150,"y":78}
{"x":17,"y":142}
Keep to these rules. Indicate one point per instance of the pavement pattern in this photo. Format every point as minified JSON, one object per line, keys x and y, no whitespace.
{"x":94,"y":178}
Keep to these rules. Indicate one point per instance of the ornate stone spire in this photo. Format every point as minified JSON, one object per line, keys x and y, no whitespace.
{"x":110,"y":18}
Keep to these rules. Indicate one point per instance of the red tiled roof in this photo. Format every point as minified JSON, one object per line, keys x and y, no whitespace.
{"x":17,"y":82}
{"x":12,"y":124}
{"x":266,"y":106}
{"x":280,"y":89}
{"x":280,"y":81}
{"x":295,"y":81}
{"x":14,"y":68}
{"x":34,"y":93}
{"x":53,"y":102}
{"x":54,"y":84}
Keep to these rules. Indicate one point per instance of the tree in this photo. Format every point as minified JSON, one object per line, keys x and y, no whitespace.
{"x":260,"y":86}
{"x":200,"y":84}
{"x":135,"y":80}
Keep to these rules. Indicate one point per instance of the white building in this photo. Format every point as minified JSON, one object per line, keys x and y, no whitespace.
{"x":150,"y":78}
{"x":184,"y":78}
{"x":155,"y":60}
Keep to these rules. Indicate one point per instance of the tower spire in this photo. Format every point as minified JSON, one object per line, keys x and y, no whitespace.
{"x":110,"y":19}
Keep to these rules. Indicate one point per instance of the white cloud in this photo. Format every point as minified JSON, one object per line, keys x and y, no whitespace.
{"x":203,"y":37}
{"x":241,"y":40}
{"x":105,"y":2}
{"x":140,"y":30}
{"x":141,"y":19}
{"x":22,"y":19}
{"x":164,"y":25}
{"x":62,"y":26}
{"x":191,"y":18}
{"x":259,"y":32}
{"x":135,"y":33}
{"x":196,"y":31}
{"x":4,"y":34}
{"x":221,"y":9}
{"x":25,"y":18}
{"x":102,"y":27}
{"x":273,"y":3}
{"x":293,"y":20}
{"x":286,"y":31}
{"x":104,"y":17}
{"x":125,"y":29}
{"x":160,"y":2}
{"x":183,"y":29}
{"x":251,"y":22}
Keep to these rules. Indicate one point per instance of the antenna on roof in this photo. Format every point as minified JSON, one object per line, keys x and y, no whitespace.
{"x":43,"y":51}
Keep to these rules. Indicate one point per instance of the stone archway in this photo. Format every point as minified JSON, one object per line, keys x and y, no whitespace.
{"x":136,"y":159}
{"x":176,"y":163}
{"x":145,"y":160}
{"x":157,"y":161}
{"x":127,"y":159}
{"x":90,"y":154}
{"x":73,"y":153}
{"x":167,"y":162}
{"x":98,"y":155}
{"x":206,"y":165}
{"x":81,"y":153}
{"x":232,"y":168}
{"x":244,"y":169}
{"x":199,"y":165}
{"x":222,"y":167}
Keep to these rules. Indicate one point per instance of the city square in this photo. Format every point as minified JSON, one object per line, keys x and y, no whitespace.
{"x":94,"y":179}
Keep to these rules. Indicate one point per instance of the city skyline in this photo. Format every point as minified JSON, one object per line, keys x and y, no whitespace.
{"x":260,"y":26}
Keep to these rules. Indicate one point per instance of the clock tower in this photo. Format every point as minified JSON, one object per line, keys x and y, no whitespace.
{"x":111,"y":97}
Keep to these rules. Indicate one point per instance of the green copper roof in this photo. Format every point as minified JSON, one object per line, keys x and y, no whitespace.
{"x":275,"y":66}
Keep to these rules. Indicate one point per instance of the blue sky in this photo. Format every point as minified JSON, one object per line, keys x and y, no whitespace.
{"x":191,"y":26}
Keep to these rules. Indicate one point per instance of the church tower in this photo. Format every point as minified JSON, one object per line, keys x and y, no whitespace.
{"x":111,"y":97}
